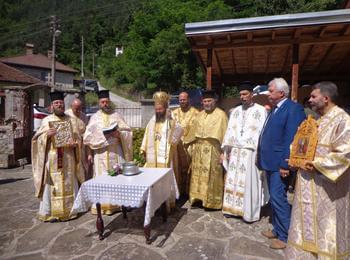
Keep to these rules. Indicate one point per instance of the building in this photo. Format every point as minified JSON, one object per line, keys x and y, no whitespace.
{"x":39,"y":66}
{"x":17,"y":94}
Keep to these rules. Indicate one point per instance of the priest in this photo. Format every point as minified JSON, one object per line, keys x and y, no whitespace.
{"x":107,"y":149}
{"x":162,"y":134}
{"x":206,"y":135}
{"x":56,"y":171}
{"x":320,"y":224}
{"x":244,"y":192}
{"x":184,"y":115}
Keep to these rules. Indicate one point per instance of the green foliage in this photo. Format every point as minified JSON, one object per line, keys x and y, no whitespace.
{"x":91,"y":99}
{"x":156,"y":51}
{"x":231,"y":91}
{"x":137,"y":141}
{"x":158,"y":54}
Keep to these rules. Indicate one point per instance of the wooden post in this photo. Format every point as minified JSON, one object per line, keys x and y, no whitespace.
{"x":295,"y":72}
{"x":209,"y":65}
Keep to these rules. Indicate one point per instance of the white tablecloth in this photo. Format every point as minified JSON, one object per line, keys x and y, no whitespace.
{"x":153,"y":185}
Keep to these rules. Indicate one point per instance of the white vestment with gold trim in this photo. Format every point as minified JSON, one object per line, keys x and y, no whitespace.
{"x":320,"y":224}
{"x":244,"y":192}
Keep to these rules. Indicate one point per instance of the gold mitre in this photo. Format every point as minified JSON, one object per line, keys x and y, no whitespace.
{"x":161,"y":98}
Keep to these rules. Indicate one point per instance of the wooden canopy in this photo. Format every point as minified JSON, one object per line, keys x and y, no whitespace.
{"x":302,"y":48}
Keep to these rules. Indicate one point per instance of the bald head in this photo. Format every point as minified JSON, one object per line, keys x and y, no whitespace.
{"x":76,"y":107}
{"x":184,"y":101}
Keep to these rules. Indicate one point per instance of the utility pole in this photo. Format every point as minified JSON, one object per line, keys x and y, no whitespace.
{"x":82,"y":57}
{"x":55,"y":32}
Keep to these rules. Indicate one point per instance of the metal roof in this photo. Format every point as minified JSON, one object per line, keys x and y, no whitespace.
{"x":261,"y":48}
{"x":268,"y":22}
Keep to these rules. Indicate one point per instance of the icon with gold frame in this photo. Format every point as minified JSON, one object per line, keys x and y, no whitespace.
{"x":304,"y":144}
{"x":64,"y":133}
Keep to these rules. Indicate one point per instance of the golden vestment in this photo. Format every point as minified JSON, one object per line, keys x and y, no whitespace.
{"x":108,"y":152}
{"x":207,"y":177}
{"x":80,"y":124}
{"x":56,"y":172}
{"x":185,"y":119}
{"x":320,"y":225}
{"x":159,"y":144}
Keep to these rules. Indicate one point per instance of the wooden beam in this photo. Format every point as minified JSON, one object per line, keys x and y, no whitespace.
{"x":322,"y":31}
{"x":250,"y":59}
{"x":307,"y":56}
{"x":295,"y":72}
{"x":268,"y":60}
{"x":255,"y":43}
{"x":200,"y":61}
{"x":285,"y":63}
{"x":217,"y":64}
{"x":346,"y":30}
{"x":337,"y":67}
{"x":229,"y":39}
{"x":233,"y":61}
{"x":249,"y":36}
{"x":325,"y":56}
{"x":209,"y":68}
{"x":265,"y":78}
{"x":297,"y":33}
{"x":273,"y":35}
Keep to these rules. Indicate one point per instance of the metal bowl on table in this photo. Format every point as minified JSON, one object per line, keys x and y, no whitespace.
{"x":130,"y":168}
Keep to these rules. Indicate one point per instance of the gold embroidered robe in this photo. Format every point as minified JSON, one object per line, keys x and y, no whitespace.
{"x":320,"y":225}
{"x":185,"y":119}
{"x":207,"y":177}
{"x":107,"y":152}
{"x":159,"y":144}
{"x":79,"y":124}
{"x":55,"y":172}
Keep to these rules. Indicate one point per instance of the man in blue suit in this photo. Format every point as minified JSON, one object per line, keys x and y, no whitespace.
{"x":273,"y":150}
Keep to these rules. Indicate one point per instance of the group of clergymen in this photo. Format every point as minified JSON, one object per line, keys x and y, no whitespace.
{"x":252,"y":147}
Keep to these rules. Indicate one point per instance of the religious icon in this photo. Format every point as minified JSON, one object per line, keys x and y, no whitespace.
{"x":64,"y":133}
{"x":304,"y":143}
{"x":302,"y":146}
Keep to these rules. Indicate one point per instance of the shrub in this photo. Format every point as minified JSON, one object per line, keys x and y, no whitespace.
{"x":137,"y":141}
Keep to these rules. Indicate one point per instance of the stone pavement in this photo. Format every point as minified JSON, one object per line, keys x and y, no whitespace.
{"x":188,"y":233}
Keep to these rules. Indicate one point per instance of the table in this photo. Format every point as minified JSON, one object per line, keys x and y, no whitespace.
{"x":153,"y":186}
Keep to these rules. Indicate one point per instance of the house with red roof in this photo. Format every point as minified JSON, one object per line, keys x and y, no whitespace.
{"x":39,"y":66}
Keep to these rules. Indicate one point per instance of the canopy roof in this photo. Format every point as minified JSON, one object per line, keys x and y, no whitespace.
{"x":261,"y":48}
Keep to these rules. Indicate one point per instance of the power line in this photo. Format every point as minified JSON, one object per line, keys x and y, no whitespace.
{"x":13,"y":34}
{"x":64,"y":14}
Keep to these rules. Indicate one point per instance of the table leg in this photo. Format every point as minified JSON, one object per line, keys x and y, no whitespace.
{"x":99,"y":222}
{"x":164,"y":211}
{"x":124,"y":210}
{"x":147,"y":231}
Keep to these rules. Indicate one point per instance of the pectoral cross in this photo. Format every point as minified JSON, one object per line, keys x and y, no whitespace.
{"x":242,"y":132}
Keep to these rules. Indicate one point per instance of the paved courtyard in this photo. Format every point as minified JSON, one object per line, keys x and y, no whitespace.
{"x":188,"y":233}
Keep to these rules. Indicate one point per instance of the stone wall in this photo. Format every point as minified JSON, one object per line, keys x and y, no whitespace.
{"x":15,"y":133}
{"x":6,"y":145}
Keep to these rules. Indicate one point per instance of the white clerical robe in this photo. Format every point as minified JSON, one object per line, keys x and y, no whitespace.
{"x":245,"y":189}
{"x":320,"y":224}
{"x":107,"y":151}
{"x":159,"y":143}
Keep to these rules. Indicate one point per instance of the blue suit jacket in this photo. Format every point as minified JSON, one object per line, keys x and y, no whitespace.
{"x":278,"y":134}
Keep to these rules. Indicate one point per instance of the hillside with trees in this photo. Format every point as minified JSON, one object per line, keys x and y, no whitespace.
{"x":156,"y":51}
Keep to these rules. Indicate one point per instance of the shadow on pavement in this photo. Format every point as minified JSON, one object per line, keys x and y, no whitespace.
{"x":5,"y":181}
{"x":133,"y":224}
